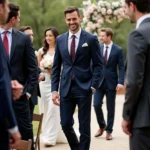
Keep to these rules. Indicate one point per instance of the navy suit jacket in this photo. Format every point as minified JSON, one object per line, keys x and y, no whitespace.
{"x":81,"y":69}
{"x":23,"y":61}
{"x":114,"y":64}
{"x":7,"y":116}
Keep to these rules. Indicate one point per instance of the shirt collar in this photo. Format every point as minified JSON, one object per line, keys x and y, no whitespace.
{"x":109,"y":46}
{"x":2,"y":30}
{"x":141,"y":19}
{"x":76,"y":34}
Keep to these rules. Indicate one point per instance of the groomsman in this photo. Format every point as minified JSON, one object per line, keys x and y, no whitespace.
{"x":23,"y":65}
{"x":7,"y":117}
{"x":75,"y":50}
{"x":113,"y":62}
{"x":136,"y":109}
{"x":34,"y":98}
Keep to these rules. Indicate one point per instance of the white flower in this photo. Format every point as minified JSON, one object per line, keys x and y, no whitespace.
{"x":85,"y":20}
{"x":90,"y":9}
{"x":103,"y":11}
{"x":86,"y":3}
{"x":87,"y":29}
{"x":100,"y":3}
{"x":115,"y":4}
{"x":36,"y":53}
{"x":108,"y":5}
{"x":109,"y":11}
{"x":115,"y":12}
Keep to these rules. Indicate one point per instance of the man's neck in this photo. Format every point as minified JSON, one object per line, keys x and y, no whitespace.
{"x":6,"y":26}
{"x":107,"y":43}
{"x":139,"y":15}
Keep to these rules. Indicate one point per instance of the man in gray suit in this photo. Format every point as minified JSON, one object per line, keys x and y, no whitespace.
{"x":136,"y":111}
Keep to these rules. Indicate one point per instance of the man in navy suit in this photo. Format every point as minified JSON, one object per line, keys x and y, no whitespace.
{"x":74,"y":51}
{"x":7,"y":117}
{"x":34,"y":98}
{"x":113,"y":61}
{"x":20,"y":49}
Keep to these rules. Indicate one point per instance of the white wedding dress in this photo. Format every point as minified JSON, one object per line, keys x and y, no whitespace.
{"x":51,"y":128}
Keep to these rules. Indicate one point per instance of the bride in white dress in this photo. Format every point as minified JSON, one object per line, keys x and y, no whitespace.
{"x":51,"y":129}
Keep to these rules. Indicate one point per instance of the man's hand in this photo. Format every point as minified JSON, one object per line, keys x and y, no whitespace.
{"x":17,"y":89}
{"x":56,"y":98}
{"x":126,"y":127}
{"x":119,"y":87}
{"x":16,"y":137}
{"x":41,"y":77}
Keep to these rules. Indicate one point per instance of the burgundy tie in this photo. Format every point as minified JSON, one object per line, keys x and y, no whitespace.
{"x":106,"y":55}
{"x":5,"y":41}
{"x":72,"y":48}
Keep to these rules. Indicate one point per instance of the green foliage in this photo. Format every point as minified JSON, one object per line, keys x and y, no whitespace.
{"x":42,"y":14}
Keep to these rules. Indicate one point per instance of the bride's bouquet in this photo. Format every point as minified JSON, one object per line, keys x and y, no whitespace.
{"x":46,"y":64}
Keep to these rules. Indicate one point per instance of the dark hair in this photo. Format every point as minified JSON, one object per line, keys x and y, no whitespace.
{"x":2,"y":2}
{"x":45,"y":44}
{"x":108,"y":31}
{"x":71,"y":9}
{"x":142,"y":6}
{"x":24,"y":28}
{"x":13,"y":11}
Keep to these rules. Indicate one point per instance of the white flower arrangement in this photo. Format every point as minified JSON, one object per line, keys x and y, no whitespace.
{"x":96,"y":14}
{"x":46,"y":63}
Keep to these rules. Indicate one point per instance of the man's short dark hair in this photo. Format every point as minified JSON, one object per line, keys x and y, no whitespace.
{"x":24,"y":28}
{"x":142,"y":6}
{"x":2,"y":2}
{"x":71,"y":9}
{"x":13,"y":11}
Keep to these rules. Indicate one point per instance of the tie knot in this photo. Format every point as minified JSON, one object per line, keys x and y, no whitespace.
{"x":5,"y":32}
{"x":107,"y":47}
{"x":73,"y":36}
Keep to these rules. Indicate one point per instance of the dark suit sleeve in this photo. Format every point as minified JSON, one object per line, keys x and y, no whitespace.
{"x":136,"y":57}
{"x":121,"y":67}
{"x":97,"y":65}
{"x":31,"y":65}
{"x":56,"y":68}
{"x":7,"y":116}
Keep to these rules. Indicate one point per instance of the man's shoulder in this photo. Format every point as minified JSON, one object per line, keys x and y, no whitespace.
{"x":21,"y":34}
{"x":117,"y":46}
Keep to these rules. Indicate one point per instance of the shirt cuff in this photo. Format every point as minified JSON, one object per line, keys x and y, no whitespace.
{"x":93,"y":88}
{"x":120,"y":85}
{"x":28,"y":94}
{"x":13,"y":130}
{"x":54,"y":91}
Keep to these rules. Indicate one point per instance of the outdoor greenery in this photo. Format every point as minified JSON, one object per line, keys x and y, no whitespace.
{"x":41,"y":14}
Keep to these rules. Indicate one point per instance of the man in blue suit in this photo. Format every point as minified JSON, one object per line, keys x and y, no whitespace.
{"x":113,"y":61}
{"x":7,"y":117}
{"x":74,"y":52}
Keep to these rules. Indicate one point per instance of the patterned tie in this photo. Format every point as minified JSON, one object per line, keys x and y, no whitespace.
{"x":106,"y":55}
{"x":72,"y":48}
{"x":5,"y":41}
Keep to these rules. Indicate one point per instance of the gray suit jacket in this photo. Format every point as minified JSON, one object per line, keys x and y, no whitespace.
{"x":137,"y":97}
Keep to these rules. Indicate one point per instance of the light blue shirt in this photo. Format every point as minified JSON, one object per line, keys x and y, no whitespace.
{"x":9,"y":36}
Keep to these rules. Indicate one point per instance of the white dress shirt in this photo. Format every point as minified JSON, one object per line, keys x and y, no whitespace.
{"x":9,"y":37}
{"x":108,"y":50}
{"x":77,"y":38}
{"x":141,"y":19}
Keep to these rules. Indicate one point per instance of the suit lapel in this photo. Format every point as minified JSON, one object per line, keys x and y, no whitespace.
{"x":14,"y":42}
{"x":66,"y":47}
{"x":81,"y":42}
